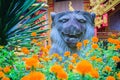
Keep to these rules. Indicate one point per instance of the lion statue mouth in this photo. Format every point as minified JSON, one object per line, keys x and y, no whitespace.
{"x":72,"y":39}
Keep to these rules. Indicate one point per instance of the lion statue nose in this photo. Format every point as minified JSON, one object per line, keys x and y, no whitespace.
{"x":72,"y":30}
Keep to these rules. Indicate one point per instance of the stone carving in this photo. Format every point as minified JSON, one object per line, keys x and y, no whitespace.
{"x":68,"y":28}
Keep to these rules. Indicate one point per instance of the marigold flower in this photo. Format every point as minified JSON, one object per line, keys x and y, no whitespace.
{"x":55,"y":55}
{"x":94,"y":73}
{"x":110,"y":78}
{"x":70,"y":67}
{"x":5,"y":78}
{"x":79,"y":45}
{"x":67,"y":53}
{"x":85,"y":42}
{"x":94,"y":46}
{"x":48,"y":47}
{"x":73,"y":60}
{"x":34,"y":41}
{"x":25,"y":77}
{"x":117,"y":46}
{"x":36,"y":76}
{"x":1,"y":68}
{"x":62,"y":75}
{"x":39,"y":43}
{"x":118,"y":75}
{"x":94,"y":39}
{"x":75,"y":55}
{"x":107,"y":68}
{"x":6,"y":69}
{"x":1,"y":74}
{"x":33,"y":34}
{"x":84,"y":67}
{"x":56,"y":68}
{"x":99,"y":59}
{"x":32,"y":62}
{"x":93,"y":58}
{"x":59,"y":58}
{"x":25,"y":50}
{"x":116,"y":58}
{"x":110,"y":40}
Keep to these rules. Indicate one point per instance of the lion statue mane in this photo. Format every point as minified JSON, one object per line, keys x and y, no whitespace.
{"x":68,"y":28}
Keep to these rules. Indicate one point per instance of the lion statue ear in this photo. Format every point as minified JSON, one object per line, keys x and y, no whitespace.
{"x":93,"y":16}
{"x":53,"y":15}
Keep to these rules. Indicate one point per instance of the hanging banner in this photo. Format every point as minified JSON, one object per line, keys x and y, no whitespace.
{"x":105,"y":20}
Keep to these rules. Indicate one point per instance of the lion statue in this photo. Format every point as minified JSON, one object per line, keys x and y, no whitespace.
{"x":68,"y":28}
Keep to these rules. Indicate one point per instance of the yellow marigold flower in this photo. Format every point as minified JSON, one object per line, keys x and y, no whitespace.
{"x":36,"y":76}
{"x":94,"y":39}
{"x":85,"y":42}
{"x":62,"y":75}
{"x":5,"y":78}
{"x":93,"y":58}
{"x":79,"y":45}
{"x":116,"y":58}
{"x":110,"y":78}
{"x":70,"y":67}
{"x":118,"y":75}
{"x":75,"y":55}
{"x":59,"y":58}
{"x":33,"y":34}
{"x":6,"y":69}
{"x":1,"y":74}
{"x":108,"y":68}
{"x":48,"y":47}
{"x":84,"y":67}
{"x":25,"y":78}
{"x":99,"y":59}
{"x":94,"y":73}
{"x":56,"y":68}
{"x":25,"y":50}
{"x":94,"y":46}
{"x":32,"y":62}
{"x":67,"y":53}
{"x":46,"y":59}
{"x":41,"y":48}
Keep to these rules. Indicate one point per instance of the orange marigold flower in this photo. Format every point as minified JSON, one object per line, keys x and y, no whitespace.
{"x":110,"y":78}
{"x":1,"y":68}
{"x":94,"y":46}
{"x":34,"y":41}
{"x":79,"y":45}
{"x":62,"y":75}
{"x":67,"y":53}
{"x":93,"y":58}
{"x":5,"y":78}
{"x":116,"y":58}
{"x":55,"y":55}
{"x":94,"y":39}
{"x":118,"y":75}
{"x":25,"y":50}
{"x":6,"y":69}
{"x":39,"y":43}
{"x":33,"y":34}
{"x":84,"y":67}
{"x":73,"y":60}
{"x":70,"y":67}
{"x":75,"y":55}
{"x":35,"y":56}
{"x":1,"y":74}
{"x":85,"y":42}
{"x":25,"y":77}
{"x":45,"y":50}
{"x":36,"y":76}
{"x":99,"y":59}
{"x":110,"y":40}
{"x":56,"y":68}
{"x":94,"y":73}
{"x":32,"y":62}
{"x":48,"y":47}
{"x":108,"y":68}
{"x":117,"y":46}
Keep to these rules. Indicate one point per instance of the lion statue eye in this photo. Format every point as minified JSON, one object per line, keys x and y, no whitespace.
{"x":81,"y":20}
{"x":63,"y":20}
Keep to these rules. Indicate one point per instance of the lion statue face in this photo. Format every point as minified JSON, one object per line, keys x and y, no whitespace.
{"x":71,"y":27}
